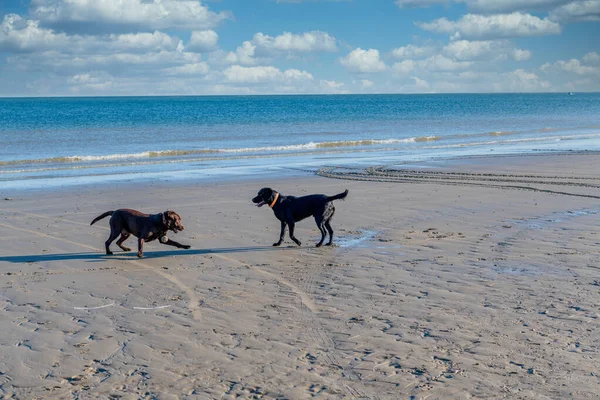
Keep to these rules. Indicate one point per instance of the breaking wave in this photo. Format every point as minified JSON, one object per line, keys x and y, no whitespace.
{"x":448,"y":141}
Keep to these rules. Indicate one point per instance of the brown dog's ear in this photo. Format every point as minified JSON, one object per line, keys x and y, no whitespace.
{"x":168,"y":218}
{"x":173,"y":216}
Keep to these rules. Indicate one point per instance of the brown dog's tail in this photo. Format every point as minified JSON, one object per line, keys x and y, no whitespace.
{"x":341,"y":196}
{"x":98,"y":218}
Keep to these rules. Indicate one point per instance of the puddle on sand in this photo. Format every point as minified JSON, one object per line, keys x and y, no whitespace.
{"x":528,"y":270}
{"x":516,"y":271}
{"x":350,"y":241}
{"x":554,"y":218}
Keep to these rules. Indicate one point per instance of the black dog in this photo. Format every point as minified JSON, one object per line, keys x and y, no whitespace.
{"x":145,"y":227}
{"x":290,"y":209}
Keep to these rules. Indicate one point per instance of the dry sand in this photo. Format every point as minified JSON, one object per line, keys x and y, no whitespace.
{"x":445,"y":284}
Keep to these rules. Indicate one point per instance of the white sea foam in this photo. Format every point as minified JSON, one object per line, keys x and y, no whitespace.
{"x":162,"y":156}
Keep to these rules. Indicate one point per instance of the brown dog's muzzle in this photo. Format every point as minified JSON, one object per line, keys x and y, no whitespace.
{"x":177,"y":227}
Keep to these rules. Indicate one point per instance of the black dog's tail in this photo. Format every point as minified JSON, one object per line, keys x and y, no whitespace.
{"x":106,"y":214}
{"x":341,"y":196}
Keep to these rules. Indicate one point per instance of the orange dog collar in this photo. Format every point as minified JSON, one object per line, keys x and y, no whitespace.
{"x":274,"y":201}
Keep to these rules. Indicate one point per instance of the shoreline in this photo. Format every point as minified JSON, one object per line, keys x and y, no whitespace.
{"x":435,"y":288}
{"x":277,"y":172}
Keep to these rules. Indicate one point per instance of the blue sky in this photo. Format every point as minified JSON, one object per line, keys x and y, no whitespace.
{"x":192,"y":47}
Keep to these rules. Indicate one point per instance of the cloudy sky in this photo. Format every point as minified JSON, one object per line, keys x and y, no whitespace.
{"x":188,"y":47}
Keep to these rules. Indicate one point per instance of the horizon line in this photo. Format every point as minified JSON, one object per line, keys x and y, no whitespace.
{"x":289,"y":94}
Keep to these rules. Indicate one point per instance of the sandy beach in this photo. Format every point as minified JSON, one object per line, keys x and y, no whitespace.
{"x":469,"y":278}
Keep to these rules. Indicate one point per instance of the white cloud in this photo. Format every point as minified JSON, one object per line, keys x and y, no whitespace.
{"x":520,"y":81}
{"x":21,"y":36}
{"x":85,"y":79}
{"x":313,"y":41}
{"x":152,"y":63}
{"x":126,"y":14}
{"x":586,"y":10}
{"x":297,"y":74}
{"x":521,"y":55}
{"x":141,"y":42}
{"x":492,"y":6}
{"x":441,"y":63}
{"x":411,"y":84}
{"x":263,"y":47}
{"x":367,"y":61}
{"x":474,"y":26}
{"x":419,"y":3}
{"x":573,"y":66}
{"x":477,"y":82}
{"x":239,"y":74}
{"x":115,"y":63}
{"x":471,"y":50}
{"x":365,"y":83}
{"x":420,"y":85}
{"x":412,"y":51}
{"x":484,"y":50}
{"x":488,"y":6}
{"x":199,"y":68}
{"x":97,"y":82}
{"x":243,"y":54}
{"x":574,"y":74}
{"x":404,"y":67}
{"x":331,"y":87}
{"x":331,"y":84}
{"x":202,"y":41}
{"x":592,"y":58}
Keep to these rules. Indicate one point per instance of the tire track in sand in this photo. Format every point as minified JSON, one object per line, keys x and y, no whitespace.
{"x":499,"y":181}
{"x":317,"y":334}
{"x":320,"y":336}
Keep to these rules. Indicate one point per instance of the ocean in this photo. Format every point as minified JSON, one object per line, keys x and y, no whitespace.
{"x":52,"y":142}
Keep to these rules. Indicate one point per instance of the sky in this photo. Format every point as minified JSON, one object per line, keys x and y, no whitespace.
{"x":213,"y":47}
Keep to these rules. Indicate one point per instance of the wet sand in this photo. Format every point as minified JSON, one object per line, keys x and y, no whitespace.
{"x":476,"y":278}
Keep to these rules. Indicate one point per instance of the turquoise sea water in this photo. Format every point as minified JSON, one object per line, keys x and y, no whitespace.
{"x":61,"y":141}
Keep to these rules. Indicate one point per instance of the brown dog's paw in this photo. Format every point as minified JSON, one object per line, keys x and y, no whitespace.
{"x":140,"y":255}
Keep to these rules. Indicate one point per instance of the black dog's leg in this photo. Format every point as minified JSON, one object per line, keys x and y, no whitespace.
{"x":123,"y":238}
{"x":283,"y":224}
{"x":319,"y":221}
{"x":291,"y":224}
{"x":111,"y":238}
{"x":330,"y":230}
{"x":173,"y":243}
{"x":328,"y":216}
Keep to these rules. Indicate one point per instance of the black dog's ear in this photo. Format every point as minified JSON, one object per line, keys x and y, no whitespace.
{"x":266,"y":193}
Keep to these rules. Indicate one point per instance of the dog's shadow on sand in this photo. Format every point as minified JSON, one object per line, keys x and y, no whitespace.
{"x":131,"y":256}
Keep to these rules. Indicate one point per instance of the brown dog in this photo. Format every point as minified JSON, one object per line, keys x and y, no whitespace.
{"x":145,"y":227}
